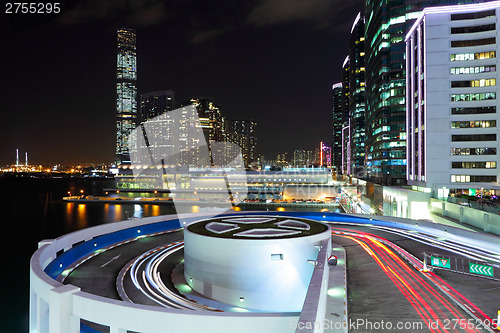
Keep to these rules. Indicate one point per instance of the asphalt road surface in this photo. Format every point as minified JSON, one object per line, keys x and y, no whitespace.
{"x":382,"y":288}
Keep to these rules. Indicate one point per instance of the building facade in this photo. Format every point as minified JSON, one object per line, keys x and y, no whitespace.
{"x":357,"y":99}
{"x":172,"y":138}
{"x":243,"y":133}
{"x":214,"y":128}
{"x":302,"y":158}
{"x":346,"y":120}
{"x":211,"y":119}
{"x":156,"y":103}
{"x":126,"y":92}
{"x":337,"y":128}
{"x":386,"y":25}
{"x":325,"y":152}
{"x":452,"y":101}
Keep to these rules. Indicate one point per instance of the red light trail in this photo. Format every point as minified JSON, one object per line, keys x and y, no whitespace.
{"x":437,"y":311}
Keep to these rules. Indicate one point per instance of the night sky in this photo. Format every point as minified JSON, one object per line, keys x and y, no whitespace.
{"x":273,"y":61}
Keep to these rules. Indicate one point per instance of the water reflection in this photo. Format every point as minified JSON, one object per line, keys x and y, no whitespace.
{"x":138,"y":211}
{"x":68,"y":216}
{"x":106,"y":210}
{"x":82,"y":220}
{"x":117,"y":214}
{"x":78,"y":216}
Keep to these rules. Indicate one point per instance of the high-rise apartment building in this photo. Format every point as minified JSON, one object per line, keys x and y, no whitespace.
{"x":126,"y":92}
{"x":386,"y":24}
{"x":452,"y":104}
{"x":160,"y":129}
{"x":218,"y":129}
{"x":210,"y":118}
{"x":302,"y":158}
{"x":337,"y":127}
{"x":282,"y":159}
{"x":169,"y":139}
{"x":243,"y":133}
{"x":156,"y":103}
{"x":214,"y":128}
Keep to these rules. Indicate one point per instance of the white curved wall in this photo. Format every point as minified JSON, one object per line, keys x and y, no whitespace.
{"x":58,"y":308}
{"x":227,"y":269}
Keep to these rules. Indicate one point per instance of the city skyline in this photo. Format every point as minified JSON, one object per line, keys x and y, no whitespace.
{"x":61,"y":86}
{"x":396,"y":205}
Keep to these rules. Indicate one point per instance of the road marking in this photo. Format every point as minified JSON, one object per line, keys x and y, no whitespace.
{"x":111,"y":260}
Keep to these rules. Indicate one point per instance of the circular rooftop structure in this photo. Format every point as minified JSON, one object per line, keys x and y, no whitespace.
{"x":260,"y":263}
{"x":257,"y":228}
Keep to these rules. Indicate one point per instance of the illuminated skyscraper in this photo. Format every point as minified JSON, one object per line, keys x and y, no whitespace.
{"x":126,"y":92}
{"x":282,"y":159}
{"x":243,"y":133}
{"x":337,"y":127}
{"x":210,"y":118}
{"x":159,"y":129}
{"x":346,"y":120}
{"x":387,"y":22}
{"x":452,"y":114}
{"x":357,"y":101}
{"x":156,"y":103}
{"x":325,"y":155}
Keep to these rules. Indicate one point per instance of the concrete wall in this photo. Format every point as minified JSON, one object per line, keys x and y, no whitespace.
{"x":406,"y":203}
{"x":227,"y":269}
{"x":488,"y":222}
{"x":150,"y":319}
{"x":314,"y":308}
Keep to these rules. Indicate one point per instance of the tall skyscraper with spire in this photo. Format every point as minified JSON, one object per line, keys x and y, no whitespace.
{"x":126,"y":92}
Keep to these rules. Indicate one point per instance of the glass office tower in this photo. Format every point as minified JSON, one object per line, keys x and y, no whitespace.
{"x":357,"y":100}
{"x":337,"y":127}
{"x":346,"y":120}
{"x":126,"y":92}
{"x":386,"y":24}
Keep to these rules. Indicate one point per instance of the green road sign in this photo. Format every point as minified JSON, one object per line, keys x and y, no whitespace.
{"x":440,"y":262}
{"x":481,"y":269}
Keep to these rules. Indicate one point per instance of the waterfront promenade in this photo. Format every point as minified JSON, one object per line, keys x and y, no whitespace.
{"x":169,"y":201}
